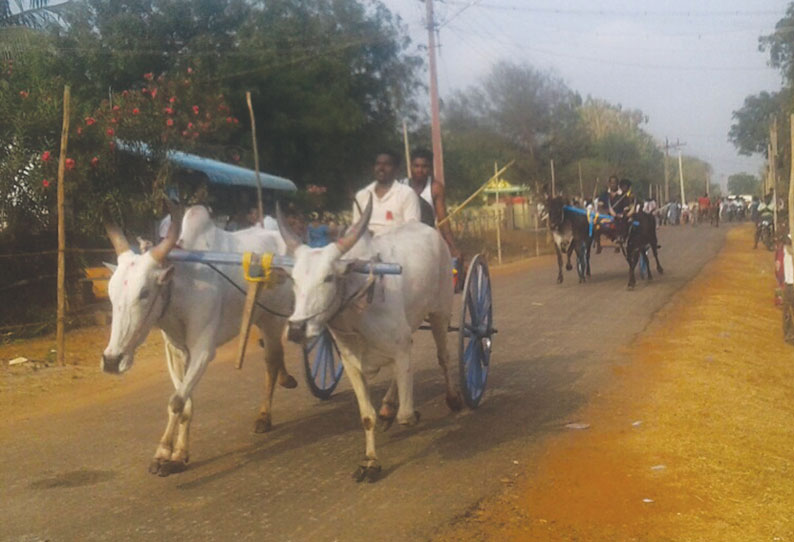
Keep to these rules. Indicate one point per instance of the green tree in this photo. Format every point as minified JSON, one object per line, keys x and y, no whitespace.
{"x":744,"y":183}
{"x":329,"y":80}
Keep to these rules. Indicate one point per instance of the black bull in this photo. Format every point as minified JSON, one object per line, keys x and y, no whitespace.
{"x":571,"y":232}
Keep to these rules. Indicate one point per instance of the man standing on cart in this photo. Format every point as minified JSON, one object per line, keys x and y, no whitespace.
{"x":431,"y":195}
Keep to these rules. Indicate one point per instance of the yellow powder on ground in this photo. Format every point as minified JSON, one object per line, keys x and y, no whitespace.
{"x":695,"y":440}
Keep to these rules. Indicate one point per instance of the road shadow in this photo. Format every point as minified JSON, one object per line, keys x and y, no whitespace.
{"x":518,"y":402}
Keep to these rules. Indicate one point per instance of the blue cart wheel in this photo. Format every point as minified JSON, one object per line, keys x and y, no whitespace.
{"x":322,"y":365}
{"x":476,"y":329}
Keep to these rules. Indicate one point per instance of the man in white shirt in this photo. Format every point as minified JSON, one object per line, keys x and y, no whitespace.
{"x":393,"y":203}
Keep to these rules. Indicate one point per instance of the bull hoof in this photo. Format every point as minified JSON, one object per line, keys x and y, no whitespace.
{"x":455,"y":402}
{"x":559,"y":279}
{"x":285,"y":380}
{"x":384,"y":423}
{"x":630,"y":287}
{"x":369,"y":470}
{"x":169,"y":467}
{"x":411,"y":420}
{"x":659,"y":270}
{"x":263,"y":424}
{"x":154,"y":466}
{"x":568,"y":267}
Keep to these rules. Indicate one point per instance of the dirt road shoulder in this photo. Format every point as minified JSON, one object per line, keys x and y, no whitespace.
{"x":693,"y":441}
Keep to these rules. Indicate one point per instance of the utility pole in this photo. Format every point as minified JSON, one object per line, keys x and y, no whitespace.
{"x":681,"y":177}
{"x":435,"y":115}
{"x":773,"y":165}
{"x":666,"y":171}
{"x":667,"y":147}
{"x":708,"y":184}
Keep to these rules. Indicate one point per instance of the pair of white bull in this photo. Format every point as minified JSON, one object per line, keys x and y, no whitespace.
{"x":198,"y":310}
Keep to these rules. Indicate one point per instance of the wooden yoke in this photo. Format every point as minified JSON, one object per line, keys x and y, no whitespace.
{"x":255,"y":285}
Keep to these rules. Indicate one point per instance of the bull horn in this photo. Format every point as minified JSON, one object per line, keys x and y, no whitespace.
{"x":116,"y":237}
{"x":290,"y":237}
{"x":357,"y":230}
{"x":160,"y":252}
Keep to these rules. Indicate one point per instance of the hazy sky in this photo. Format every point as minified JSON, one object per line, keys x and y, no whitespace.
{"x":687,"y":65}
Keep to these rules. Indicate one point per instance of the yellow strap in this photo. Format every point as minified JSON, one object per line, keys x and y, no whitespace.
{"x":265,"y":263}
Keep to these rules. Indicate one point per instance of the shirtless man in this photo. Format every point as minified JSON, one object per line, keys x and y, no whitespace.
{"x":431,"y":194}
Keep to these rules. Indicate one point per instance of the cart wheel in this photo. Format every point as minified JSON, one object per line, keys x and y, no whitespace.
{"x":476,"y":328}
{"x":322,"y":365}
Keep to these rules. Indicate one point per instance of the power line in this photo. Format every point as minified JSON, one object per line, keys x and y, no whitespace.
{"x":608,"y":12}
{"x":457,"y":13}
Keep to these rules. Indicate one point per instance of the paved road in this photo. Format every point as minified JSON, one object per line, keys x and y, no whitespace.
{"x":81,"y":475}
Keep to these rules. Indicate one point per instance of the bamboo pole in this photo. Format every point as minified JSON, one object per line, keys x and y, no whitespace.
{"x":498,"y":217}
{"x":475,"y":194}
{"x":60,"y":338}
{"x":553,"y":181}
{"x":253,"y":287}
{"x":256,"y":159}
{"x":581,"y":184}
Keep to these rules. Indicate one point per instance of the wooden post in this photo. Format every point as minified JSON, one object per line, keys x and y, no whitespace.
{"x":595,"y":191}
{"x":537,"y":233}
{"x":498,"y":217}
{"x":773,"y":167}
{"x":60,"y":337}
{"x":256,"y":159}
{"x":553,"y":182}
{"x":791,"y":181}
{"x":407,"y":151}
{"x":581,"y":185}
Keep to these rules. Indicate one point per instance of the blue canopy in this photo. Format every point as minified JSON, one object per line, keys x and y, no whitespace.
{"x":217,"y":172}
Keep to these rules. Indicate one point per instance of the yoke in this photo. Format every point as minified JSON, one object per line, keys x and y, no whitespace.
{"x":258,"y":264}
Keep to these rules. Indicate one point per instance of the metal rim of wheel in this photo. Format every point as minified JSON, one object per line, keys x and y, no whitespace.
{"x":322,"y":364}
{"x":476,"y":329}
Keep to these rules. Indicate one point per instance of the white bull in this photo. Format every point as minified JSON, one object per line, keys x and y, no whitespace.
{"x":371,"y":319}
{"x":197,"y":311}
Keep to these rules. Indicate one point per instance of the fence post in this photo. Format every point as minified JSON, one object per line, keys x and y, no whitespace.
{"x":537,"y":232}
{"x":60,"y":338}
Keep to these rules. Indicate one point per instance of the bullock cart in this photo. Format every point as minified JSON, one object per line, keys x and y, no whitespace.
{"x":323,"y":366}
{"x":321,"y":358}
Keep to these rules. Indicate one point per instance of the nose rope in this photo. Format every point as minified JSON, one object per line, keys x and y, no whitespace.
{"x":344,"y":304}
